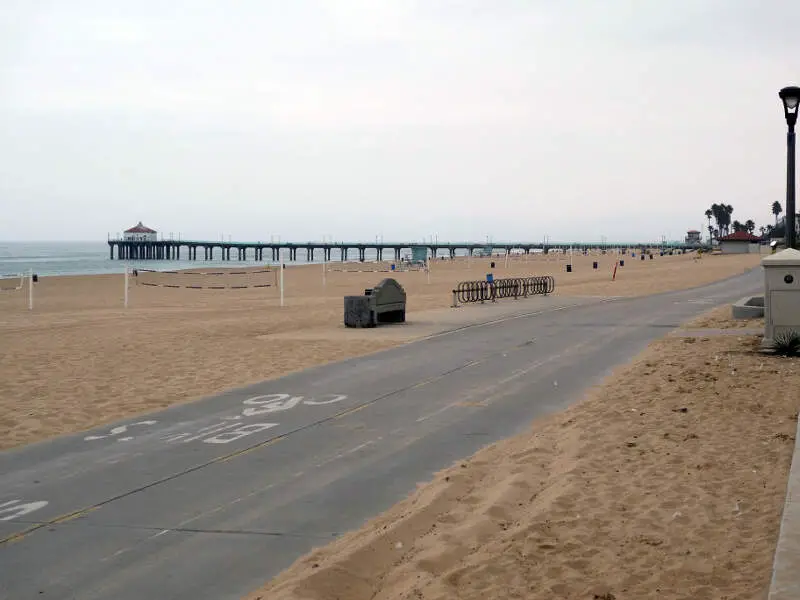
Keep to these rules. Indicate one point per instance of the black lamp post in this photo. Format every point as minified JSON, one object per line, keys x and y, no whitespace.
{"x":791,"y":98}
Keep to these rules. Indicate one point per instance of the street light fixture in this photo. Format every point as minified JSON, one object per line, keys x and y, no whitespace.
{"x":790,"y":96}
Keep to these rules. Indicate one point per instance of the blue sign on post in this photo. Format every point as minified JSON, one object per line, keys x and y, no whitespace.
{"x":392,"y":266}
{"x":489,"y":278}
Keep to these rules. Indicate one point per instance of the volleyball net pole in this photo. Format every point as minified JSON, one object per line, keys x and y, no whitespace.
{"x":126,"y":286}
{"x":30,"y":289}
{"x":281,"y":275}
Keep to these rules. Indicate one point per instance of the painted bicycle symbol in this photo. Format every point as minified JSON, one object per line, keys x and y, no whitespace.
{"x":270,"y":403}
{"x":229,"y":428}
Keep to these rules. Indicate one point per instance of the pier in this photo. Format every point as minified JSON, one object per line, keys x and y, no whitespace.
{"x":122,"y":249}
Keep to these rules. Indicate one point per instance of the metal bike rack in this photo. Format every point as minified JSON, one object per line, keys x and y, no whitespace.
{"x":515,"y":287}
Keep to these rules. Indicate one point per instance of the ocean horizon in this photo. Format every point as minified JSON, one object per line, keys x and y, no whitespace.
{"x":92,"y":258}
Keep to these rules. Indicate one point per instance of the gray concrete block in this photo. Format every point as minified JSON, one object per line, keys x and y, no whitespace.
{"x":749,"y":307}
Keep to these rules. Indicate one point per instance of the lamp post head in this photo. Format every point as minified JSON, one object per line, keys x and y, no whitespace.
{"x":791,"y":98}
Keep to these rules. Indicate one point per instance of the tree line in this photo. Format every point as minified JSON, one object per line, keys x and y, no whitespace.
{"x":724,"y":224}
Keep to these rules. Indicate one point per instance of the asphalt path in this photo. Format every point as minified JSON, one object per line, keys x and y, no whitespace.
{"x":211,"y":499}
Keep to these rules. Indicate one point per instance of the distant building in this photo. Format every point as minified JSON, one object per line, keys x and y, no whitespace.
{"x":740,"y":242}
{"x":693,"y":237}
{"x":140,"y":233}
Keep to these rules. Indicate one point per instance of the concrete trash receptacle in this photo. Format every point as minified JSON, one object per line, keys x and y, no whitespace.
{"x":384,"y":303}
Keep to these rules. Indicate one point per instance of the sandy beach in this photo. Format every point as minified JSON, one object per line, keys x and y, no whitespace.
{"x":79,"y":359}
{"x":666,"y":482}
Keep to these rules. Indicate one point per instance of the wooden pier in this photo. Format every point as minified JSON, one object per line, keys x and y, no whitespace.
{"x":188,"y":249}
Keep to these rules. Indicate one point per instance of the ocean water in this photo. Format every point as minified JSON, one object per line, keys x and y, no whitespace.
{"x":91,"y":258}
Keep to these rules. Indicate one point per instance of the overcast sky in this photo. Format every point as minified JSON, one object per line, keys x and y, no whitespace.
{"x":574,"y":119}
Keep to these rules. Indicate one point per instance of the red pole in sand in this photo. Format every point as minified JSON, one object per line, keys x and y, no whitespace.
{"x":614,"y":276}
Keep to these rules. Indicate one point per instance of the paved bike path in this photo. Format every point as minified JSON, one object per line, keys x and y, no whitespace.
{"x":207,"y":500}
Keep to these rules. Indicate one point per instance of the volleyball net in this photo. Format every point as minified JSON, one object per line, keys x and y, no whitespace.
{"x":373,"y":267}
{"x":12,"y":282}
{"x":218,"y":279}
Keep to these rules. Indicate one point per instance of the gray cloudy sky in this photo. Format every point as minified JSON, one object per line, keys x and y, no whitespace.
{"x":351,"y":118}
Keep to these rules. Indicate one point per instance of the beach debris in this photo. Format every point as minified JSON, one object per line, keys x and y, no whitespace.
{"x":398,"y":545}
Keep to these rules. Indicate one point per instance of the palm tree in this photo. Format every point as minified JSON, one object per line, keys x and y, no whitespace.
{"x":738,"y":226}
{"x":763,"y":230}
{"x":709,"y":214}
{"x":728,"y":212}
{"x":750,"y":226}
{"x":716,"y":211}
{"x":777,"y":209}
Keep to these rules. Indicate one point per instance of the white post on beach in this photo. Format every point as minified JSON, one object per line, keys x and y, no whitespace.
{"x":283,"y":266}
{"x":428,"y":269}
{"x":30,"y":290}
{"x":126,"y":286}
{"x":324,"y":268}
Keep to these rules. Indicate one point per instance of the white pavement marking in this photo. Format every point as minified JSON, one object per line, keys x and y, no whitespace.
{"x":14,"y":509}
{"x":437,"y":412}
{"x":117,"y":430}
{"x":244,"y":430}
{"x":210,"y":430}
{"x":348,"y":452}
{"x":257,"y":405}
